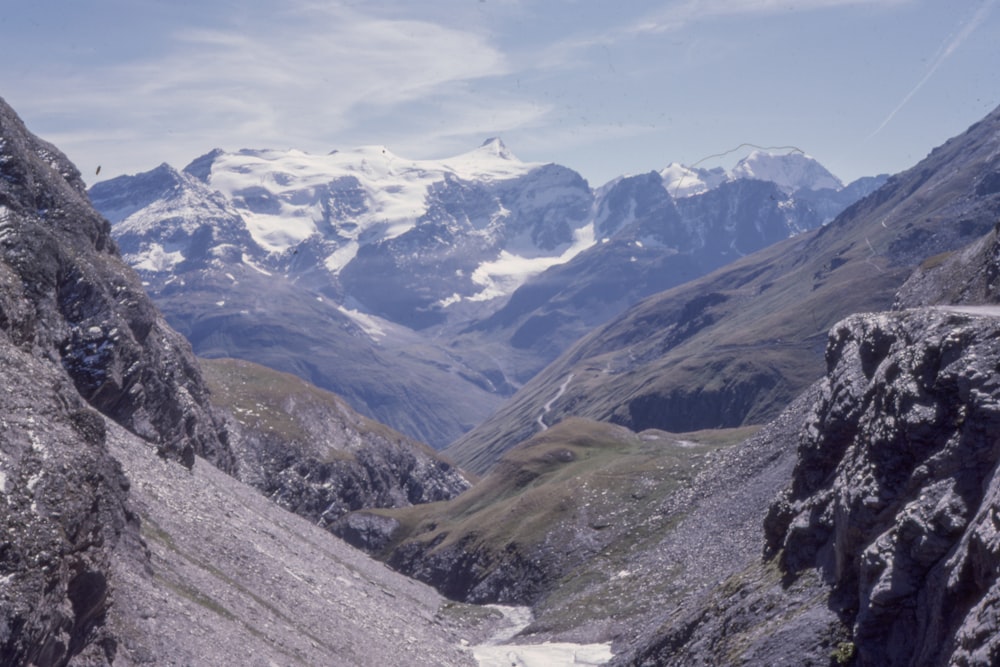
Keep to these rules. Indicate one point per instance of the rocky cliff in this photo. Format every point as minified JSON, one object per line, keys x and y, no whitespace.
{"x":884,"y":548}
{"x":63,"y":511}
{"x":80,"y":342}
{"x":68,"y":298}
{"x":894,"y":495}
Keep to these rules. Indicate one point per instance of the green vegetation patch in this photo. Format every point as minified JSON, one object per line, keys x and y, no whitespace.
{"x":844,"y":653}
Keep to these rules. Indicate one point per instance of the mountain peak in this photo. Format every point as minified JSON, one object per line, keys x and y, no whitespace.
{"x":201,"y":166}
{"x":683,"y":181}
{"x":495,"y":146}
{"x":790,"y":171}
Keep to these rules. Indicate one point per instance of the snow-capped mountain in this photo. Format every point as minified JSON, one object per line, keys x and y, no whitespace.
{"x":168,"y":221}
{"x":351,"y":223}
{"x":791,"y":172}
{"x":327,"y":266}
{"x":647,"y":241}
{"x":287,"y":197}
{"x":462,"y":276}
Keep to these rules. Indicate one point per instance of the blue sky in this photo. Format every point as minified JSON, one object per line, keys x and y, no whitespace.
{"x":606,"y":88}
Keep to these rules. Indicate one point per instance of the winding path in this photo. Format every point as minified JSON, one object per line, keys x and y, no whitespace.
{"x":548,"y":406}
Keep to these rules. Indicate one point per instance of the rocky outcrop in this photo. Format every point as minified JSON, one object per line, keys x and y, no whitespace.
{"x":884,"y":549}
{"x":79,"y":341}
{"x":470,"y":572}
{"x":67,"y":297}
{"x":63,"y":511}
{"x":894,"y":495}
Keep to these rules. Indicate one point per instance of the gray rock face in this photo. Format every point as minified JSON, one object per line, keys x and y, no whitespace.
{"x":883,"y":549}
{"x":68,"y":297}
{"x":76,"y":334}
{"x":384,"y":474}
{"x":63,"y":510}
{"x":369,"y":532}
{"x":893,"y":498}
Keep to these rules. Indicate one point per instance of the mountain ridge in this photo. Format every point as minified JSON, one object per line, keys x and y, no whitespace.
{"x":735,"y":346}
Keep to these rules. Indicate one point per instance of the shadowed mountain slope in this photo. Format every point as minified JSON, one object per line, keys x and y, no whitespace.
{"x":308,"y":451}
{"x":734,"y":347}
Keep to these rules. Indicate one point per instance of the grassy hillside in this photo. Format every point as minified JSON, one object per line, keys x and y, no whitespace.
{"x":558,"y":515}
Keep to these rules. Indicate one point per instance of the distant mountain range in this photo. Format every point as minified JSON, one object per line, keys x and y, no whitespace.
{"x":427,"y":291}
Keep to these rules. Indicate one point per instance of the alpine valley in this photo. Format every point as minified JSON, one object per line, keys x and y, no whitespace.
{"x":426,"y":292}
{"x":690,"y":417}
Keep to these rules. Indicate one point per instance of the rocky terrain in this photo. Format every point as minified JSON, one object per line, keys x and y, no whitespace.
{"x":81,"y":342}
{"x":68,"y":298}
{"x":63,"y":511}
{"x":883,"y":548}
{"x":230,"y":578}
{"x":309,"y":452}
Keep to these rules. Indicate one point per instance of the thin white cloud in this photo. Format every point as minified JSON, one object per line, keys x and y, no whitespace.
{"x":340,"y":64}
{"x":296,"y":77}
{"x":948,"y":48}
